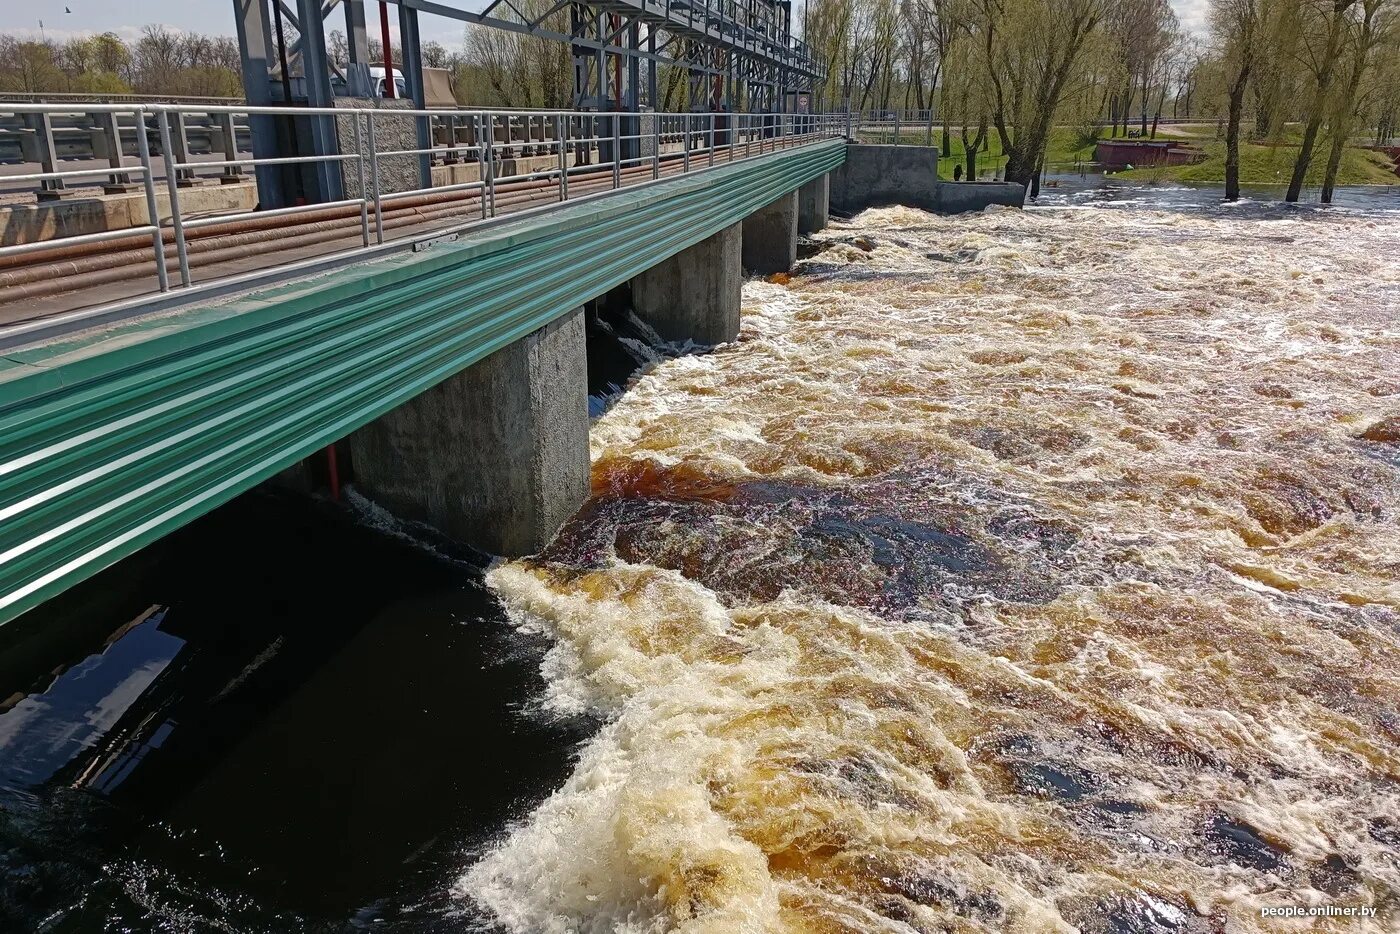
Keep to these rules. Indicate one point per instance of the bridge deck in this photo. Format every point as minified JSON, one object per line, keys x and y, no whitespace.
{"x":113,"y":437}
{"x":461,"y":212}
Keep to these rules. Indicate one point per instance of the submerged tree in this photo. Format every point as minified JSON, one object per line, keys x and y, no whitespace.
{"x":1236,"y":27}
{"x":1326,"y":32}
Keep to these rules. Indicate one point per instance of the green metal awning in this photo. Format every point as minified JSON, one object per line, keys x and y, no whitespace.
{"x":113,"y":438}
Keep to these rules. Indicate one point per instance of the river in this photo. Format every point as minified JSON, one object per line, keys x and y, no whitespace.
{"x":1026,"y":571}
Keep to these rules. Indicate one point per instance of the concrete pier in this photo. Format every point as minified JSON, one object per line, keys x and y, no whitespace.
{"x":770,"y":236}
{"x":814,"y":205}
{"x":695,"y":294}
{"x":496,"y":456}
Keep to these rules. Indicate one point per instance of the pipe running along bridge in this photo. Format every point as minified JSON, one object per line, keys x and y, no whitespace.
{"x":418,"y":303}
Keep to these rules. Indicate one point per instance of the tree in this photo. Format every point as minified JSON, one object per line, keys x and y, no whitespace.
{"x":1030,"y":49}
{"x":1329,"y":20}
{"x":1236,"y":26}
{"x":1367,"y":38}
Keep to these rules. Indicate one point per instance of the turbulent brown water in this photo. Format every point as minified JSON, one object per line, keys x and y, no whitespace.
{"x":1029,"y":571}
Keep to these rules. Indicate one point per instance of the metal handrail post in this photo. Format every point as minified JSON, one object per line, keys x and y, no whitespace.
{"x":143,"y":149}
{"x":655,"y":146}
{"x":360,"y":166}
{"x":563,"y":165}
{"x":617,"y":150}
{"x":564,"y":157}
{"x":685,"y":143}
{"x":177,"y":223}
{"x":482,"y":154}
{"x":712,"y":140}
{"x":374,"y":179}
{"x":490,"y":195}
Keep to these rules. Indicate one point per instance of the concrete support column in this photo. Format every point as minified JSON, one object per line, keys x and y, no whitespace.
{"x":496,"y":456}
{"x":770,"y":236}
{"x":814,"y":205}
{"x":695,"y":294}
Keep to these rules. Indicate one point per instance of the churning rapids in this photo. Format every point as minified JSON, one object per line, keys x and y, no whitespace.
{"x":1027,"y":571}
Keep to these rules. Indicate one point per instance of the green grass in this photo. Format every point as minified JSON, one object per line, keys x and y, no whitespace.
{"x":1064,"y":148}
{"x":1260,"y":164}
{"x":1272,"y":164}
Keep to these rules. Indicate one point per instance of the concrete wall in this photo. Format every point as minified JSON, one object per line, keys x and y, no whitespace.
{"x":74,"y":216}
{"x":496,"y":456}
{"x":770,"y":236}
{"x":391,"y":133}
{"x":696,"y":294}
{"x":874,"y":176}
{"x":962,"y":197}
{"x":814,"y":205}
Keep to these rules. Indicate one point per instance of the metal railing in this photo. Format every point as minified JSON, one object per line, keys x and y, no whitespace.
{"x":896,"y":127}
{"x":482,"y":163}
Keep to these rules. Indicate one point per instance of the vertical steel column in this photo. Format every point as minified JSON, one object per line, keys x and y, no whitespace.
{"x":563,"y":162}
{"x":652,"y":100}
{"x":357,"y":80}
{"x":412,"y":51}
{"x":321,"y":127}
{"x":112,"y":134}
{"x":564,"y":156}
{"x":617,"y":150}
{"x":231,"y":173}
{"x":490,"y":192}
{"x":356,"y":31}
{"x":48,"y":157}
{"x":255,"y":48}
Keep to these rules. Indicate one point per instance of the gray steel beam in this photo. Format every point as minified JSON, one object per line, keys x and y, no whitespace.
{"x":411,"y":51}
{"x":317,"y":73}
{"x":356,"y":33}
{"x":255,"y":48}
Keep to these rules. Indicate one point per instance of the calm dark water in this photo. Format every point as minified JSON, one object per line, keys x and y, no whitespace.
{"x":291,"y":715}
{"x":279,"y":719}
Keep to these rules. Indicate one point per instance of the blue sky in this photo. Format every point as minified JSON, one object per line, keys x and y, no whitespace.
{"x":126,"y":17}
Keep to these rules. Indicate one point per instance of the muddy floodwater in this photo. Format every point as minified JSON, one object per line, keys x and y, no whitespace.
{"x":1024,"y":571}
{"x":1028,"y":571}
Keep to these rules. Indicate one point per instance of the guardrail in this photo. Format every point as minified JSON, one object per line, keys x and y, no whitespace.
{"x":897,"y":127}
{"x":521,"y":157}
{"x":94,"y":132}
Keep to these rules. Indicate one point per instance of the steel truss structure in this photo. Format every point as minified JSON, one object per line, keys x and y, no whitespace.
{"x":738,"y":56}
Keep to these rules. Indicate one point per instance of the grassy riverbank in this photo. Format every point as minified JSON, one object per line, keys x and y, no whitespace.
{"x":1268,"y":163}
{"x":1260,"y":163}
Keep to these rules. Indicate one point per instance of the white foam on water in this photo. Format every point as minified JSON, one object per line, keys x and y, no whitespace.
{"x":1158,"y":687}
